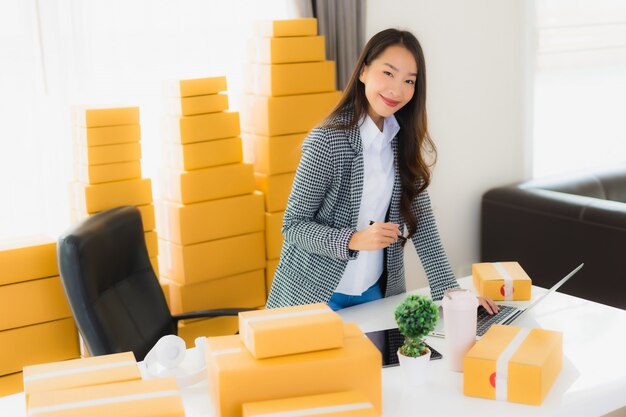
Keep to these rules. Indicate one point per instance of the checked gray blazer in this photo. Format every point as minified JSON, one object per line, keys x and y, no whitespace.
{"x":321,"y":217}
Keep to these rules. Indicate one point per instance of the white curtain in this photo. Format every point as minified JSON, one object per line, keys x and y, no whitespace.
{"x":56,"y":53}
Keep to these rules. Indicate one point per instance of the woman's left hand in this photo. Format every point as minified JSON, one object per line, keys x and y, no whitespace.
{"x":488,"y":304}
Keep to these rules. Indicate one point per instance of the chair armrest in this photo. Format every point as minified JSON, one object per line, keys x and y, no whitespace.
{"x":210,"y":313}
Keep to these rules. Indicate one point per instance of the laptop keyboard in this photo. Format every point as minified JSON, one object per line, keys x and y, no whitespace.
{"x":485,"y":320}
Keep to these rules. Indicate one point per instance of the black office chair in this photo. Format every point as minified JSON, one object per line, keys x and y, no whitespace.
{"x":111,"y":287}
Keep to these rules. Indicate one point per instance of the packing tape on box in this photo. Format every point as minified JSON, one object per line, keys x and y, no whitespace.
{"x":502,"y":364}
{"x":508,"y":281}
{"x":65,"y":372}
{"x":318,"y":410}
{"x":167,"y":358}
{"x":248,"y":321}
{"x":102,"y":401}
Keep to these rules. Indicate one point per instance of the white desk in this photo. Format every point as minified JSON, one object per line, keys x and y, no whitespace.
{"x":592,"y":381}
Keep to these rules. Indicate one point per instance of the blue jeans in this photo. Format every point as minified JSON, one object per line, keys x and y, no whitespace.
{"x":338,"y":300}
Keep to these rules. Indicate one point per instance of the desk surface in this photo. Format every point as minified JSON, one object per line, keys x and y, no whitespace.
{"x":591,"y":383}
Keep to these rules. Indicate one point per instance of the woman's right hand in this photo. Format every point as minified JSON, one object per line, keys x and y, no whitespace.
{"x":376,"y":236}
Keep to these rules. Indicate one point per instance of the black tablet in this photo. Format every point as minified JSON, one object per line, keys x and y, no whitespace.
{"x":389,"y":341}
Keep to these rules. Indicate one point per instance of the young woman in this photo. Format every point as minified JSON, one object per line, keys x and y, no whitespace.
{"x":360,"y":190}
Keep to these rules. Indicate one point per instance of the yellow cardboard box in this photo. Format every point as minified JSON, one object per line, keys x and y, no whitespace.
{"x":146,"y":211}
{"x":241,"y":290}
{"x":190,"y":330}
{"x":210,"y":260}
{"x":273,"y":235}
{"x":99,"y":197}
{"x":189,"y":106}
{"x":11,"y":384}
{"x":273,"y":154}
{"x":204,"y":154}
{"x":276,"y":189}
{"x":340,"y":404}
{"x":501,"y":281}
{"x":119,"y":171}
{"x":287,"y":27}
{"x":108,"y":154}
{"x":165,"y":287}
{"x":287,"y":50}
{"x":289,"y":79}
{"x":236,"y":377}
{"x":27,"y":258}
{"x":89,"y":116}
{"x":202,"y":127}
{"x":270,"y":269}
{"x":107,"y":135}
{"x":152,"y":244}
{"x":195,"y":87}
{"x":186,"y":224}
{"x":142,"y":398}
{"x":96,"y":370}
{"x":186,"y":187}
{"x":290,"y":330}
{"x":46,"y":342}
{"x":513,"y":363}
{"x":32,"y":302}
{"x":272,"y":116}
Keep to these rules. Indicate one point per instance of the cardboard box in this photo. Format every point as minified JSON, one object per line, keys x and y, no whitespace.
{"x":100,"y":197}
{"x":236,"y":377}
{"x":202,"y":127}
{"x":533,"y":363}
{"x":195,"y":87}
{"x":11,"y":384}
{"x":108,"y":154}
{"x":46,"y":342}
{"x":204,"y":154}
{"x":270,"y":269}
{"x":210,"y":260}
{"x":120,"y":171}
{"x":32,"y":302}
{"x":107,"y":135}
{"x":272,"y":116}
{"x":190,"y":330}
{"x":287,"y":27}
{"x":273,"y":235}
{"x":189,"y":106}
{"x":287,"y":50}
{"x":186,"y":187}
{"x":28,"y":258}
{"x":155,"y":265}
{"x":289,"y":79}
{"x":273,"y":154}
{"x":146,"y":211}
{"x":186,"y":224}
{"x":89,"y":116}
{"x":489,"y":281}
{"x":96,"y":370}
{"x":340,"y":404}
{"x":290,"y":330}
{"x":276,"y":189}
{"x":237,"y":291}
{"x":152,"y":244}
{"x":142,"y":398}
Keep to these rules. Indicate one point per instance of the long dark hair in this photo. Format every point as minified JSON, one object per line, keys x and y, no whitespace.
{"x":414,"y":140}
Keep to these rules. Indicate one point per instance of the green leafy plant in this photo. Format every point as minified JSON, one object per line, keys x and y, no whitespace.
{"x":416,"y":317}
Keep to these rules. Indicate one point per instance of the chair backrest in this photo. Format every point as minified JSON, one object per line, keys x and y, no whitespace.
{"x":110,"y":285}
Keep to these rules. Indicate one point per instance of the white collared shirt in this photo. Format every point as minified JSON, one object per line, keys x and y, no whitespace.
{"x":378,"y":178}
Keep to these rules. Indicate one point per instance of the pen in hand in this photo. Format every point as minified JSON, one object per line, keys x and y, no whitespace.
{"x":400,"y":237}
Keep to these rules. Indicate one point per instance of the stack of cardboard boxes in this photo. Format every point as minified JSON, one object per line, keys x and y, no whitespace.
{"x":36,"y":323}
{"x":212,"y":247}
{"x":290,"y":88}
{"x":107,"y":167}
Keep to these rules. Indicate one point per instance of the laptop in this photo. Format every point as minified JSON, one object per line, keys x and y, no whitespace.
{"x":506,"y":315}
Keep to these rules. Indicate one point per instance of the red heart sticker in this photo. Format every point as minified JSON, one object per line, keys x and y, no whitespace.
{"x":502,"y":290}
{"x":492,"y":379}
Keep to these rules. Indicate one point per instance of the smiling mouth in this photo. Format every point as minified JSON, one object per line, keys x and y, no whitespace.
{"x":389,"y":102}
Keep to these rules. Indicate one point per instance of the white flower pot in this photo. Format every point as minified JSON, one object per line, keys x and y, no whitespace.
{"x":414,"y":369}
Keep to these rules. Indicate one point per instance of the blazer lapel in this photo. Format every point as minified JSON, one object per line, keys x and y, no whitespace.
{"x":356,"y":178}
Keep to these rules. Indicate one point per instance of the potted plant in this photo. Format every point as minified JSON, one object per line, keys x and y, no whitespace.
{"x":416,"y":317}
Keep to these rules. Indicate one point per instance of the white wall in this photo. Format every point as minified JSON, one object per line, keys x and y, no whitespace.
{"x":477,"y":94}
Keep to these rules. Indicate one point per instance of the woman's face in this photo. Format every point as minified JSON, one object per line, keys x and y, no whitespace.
{"x":389,"y":82}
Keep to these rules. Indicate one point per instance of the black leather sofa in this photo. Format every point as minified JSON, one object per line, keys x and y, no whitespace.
{"x":551,"y":226}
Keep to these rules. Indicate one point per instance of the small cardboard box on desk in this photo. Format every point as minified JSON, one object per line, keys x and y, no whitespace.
{"x":501,"y":281}
{"x":339,"y":404}
{"x":512,"y":363}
